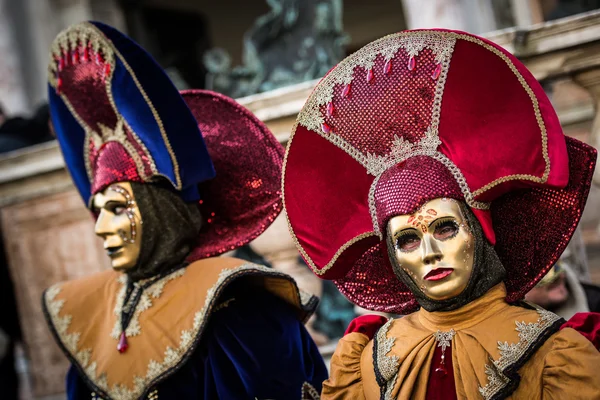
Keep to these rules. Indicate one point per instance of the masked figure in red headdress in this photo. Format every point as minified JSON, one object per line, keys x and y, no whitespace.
{"x":173,"y":180}
{"x":428,"y":176}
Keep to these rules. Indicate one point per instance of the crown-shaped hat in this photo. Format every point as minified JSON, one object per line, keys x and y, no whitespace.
{"x":429,"y":114}
{"x":118,"y":117}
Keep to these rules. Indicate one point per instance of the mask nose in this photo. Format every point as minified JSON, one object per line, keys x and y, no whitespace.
{"x":431,"y":252}
{"x":102,"y":226}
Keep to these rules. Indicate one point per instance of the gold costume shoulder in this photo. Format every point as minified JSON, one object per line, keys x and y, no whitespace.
{"x":498,"y":350}
{"x":84,"y":317}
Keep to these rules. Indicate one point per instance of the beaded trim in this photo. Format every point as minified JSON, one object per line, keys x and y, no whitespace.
{"x":173,"y":357}
{"x":154,"y":291}
{"x":309,"y":392}
{"x":386,"y":367}
{"x":501,"y":372}
{"x":129,"y":211}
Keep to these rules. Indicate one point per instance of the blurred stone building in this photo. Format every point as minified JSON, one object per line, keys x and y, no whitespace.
{"x":46,"y":230}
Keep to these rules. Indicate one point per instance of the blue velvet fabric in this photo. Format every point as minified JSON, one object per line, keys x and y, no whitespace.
{"x":181,"y":128}
{"x":254,"y":348}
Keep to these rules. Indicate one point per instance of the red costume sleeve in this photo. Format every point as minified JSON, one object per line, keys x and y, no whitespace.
{"x":588,"y":324}
{"x":366,"y":324}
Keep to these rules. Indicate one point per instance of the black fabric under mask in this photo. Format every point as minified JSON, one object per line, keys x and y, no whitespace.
{"x":169,"y":231}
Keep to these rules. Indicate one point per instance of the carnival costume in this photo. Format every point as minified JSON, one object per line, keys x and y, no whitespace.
{"x":204,"y":176}
{"x":444,"y":117}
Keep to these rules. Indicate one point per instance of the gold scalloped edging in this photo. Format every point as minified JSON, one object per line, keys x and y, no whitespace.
{"x":513,"y":352}
{"x":154,"y":291}
{"x":172,"y":357}
{"x":311,"y":117}
{"x":387,"y":364}
{"x":70,"y":38}
{"x":309,"y":392}
{"x":88,"y":33}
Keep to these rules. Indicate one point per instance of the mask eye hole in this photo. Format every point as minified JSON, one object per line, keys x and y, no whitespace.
{"x":408,"y":241}
{"x":445,"y":229}
{"x":118,"y":210}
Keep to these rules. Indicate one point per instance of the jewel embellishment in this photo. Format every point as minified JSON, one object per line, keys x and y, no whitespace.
{"x":123,"y":345}
{"x":326,"y":128}
{"x":129,"y":211}
{"x":437,"y":71}
{"x":387,"y":68}
{"x":411,"y":63}
{"x":443,"y":340}
{"x":346,"y":91}
{"x":370,"y":75}
{"x":330,"y":109}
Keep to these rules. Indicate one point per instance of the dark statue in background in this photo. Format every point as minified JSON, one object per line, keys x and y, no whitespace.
{"x":297,"y":41}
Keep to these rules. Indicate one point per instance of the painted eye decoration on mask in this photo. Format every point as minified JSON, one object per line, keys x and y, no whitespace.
{"x":445,"y":229}
{"x":409,"y":240}
{"x":129,"y":210}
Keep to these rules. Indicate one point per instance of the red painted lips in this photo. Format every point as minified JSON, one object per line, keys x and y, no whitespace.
{"x":438,"y":273}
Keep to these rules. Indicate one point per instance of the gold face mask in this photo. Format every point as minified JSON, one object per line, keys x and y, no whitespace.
{"x":119,"y":224}
{"x":435,"y":247}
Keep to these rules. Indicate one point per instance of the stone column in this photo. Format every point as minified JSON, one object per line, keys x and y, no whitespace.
{"x":590,"y":80}
{"x":527,"y":12}
{"x":13,"y":97}
{"x":475,"y":16}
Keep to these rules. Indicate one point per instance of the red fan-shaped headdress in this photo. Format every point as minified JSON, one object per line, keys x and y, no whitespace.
{"x":420,"y":115}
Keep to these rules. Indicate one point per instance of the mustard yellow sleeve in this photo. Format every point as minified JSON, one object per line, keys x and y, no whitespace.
{"x":345,"y":380}
{"x":571,"y":368}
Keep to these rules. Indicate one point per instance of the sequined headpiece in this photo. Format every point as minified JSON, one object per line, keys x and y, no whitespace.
{"x":118,"y":117}
{"x":420,"y":115}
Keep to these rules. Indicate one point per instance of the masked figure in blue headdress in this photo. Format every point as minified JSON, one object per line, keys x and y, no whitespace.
{"x":173,"y":180}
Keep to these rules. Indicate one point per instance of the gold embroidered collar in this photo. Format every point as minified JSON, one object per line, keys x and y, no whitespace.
{"x":403,"y":348}
{"x":84,"y":315}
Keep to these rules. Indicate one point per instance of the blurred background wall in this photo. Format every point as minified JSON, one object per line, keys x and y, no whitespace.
{"x":267,"y":54}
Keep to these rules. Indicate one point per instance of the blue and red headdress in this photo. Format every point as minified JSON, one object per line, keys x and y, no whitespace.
{"x":118,"y":117}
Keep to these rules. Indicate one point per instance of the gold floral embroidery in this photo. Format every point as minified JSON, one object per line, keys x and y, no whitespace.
{"x":309,"y":392}
{"x":529,"y":333}
{"x":152,"y":292}
{"x":172,"y":356}
{"x":386,"y":365}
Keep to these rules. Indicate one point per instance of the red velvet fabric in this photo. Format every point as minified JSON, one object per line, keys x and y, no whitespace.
{"x":489,"y":128}
{"x":366,"y":324}
{"x":441,"y":386}
{"x":488,"y":125}
{"x":588,"y":324}
{"x":316,"y":191}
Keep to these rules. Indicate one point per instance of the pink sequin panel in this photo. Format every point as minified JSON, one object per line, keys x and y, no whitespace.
{"x":245,"y":196}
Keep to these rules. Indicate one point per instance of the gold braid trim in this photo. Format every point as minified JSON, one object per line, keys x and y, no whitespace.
{"x":173,"y":357}
{"x":529,"y":333}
